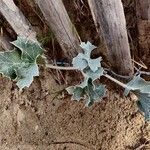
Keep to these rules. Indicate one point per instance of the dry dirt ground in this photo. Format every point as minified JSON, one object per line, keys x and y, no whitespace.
{"x":34,"y":120}
{"x":40,"y":118}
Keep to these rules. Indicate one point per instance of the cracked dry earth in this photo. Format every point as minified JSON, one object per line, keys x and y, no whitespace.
{"x":34,"y":120}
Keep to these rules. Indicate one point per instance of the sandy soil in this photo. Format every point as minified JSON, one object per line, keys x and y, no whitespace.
{"x":34,"y":120}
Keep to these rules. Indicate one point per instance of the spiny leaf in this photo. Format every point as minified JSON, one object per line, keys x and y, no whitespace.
{"x":91,"y":70}
{"x":8,"y":60}
{"x":81,"y":61}
{"x":84,"y":83}
{"x":94,"y":93}
{"x":20,"y":64}
{"x":25,"y":75}
{"x":144,"y":104}
{"x":88,"y":47}
{"x":141,"y":89}
{"x":94,"y":64}
{"x":88,"y":73}
{"x":76,"y":92}
{"x":30,"y":49}
{"x":138,"y":83}
{"x":88,"y":91}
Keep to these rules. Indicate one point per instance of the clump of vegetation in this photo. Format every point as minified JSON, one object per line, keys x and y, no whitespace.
{"x":21,"y":65}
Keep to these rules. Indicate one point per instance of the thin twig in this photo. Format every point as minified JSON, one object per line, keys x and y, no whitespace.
{"x":141,"y":72}
{"x":116,"y":81}
{"x":145,"y":73}
{"x":73,"y":68}
{"x":60,"y":67}
{"x":117,"y":75}
{"x":142,"y":65}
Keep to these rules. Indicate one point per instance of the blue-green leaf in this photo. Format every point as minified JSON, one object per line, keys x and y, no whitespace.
{"x":91,"y":70}
{"x":138,"y":83}
{"x":88,"y":47}
{"x":94,"y":93}
{"x":25,"y":75}
{"x":20,"y":64}
{"x":76,"y":92}
{"x":88,"y":73}
{"x":88,"y":91}
{"x":141,"y":89}
{"x":81,"y":61}
{"x":144,"y":104}
{"x":94,"y":64}
{"x":30,"y":49}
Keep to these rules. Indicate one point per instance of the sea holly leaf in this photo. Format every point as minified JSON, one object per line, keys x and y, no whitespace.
{"x":76,"y":92}
{"x":100,"y":91}
{"x":8,"y":61}
{"x":88,"y":47}
{"x":88,"y":73}
{"x":141,"y":88}
{"x":80,"y":61}
{"x":88,"y":91}
{"x":25,"y":75}
{"x":30,"y":49}
{"x":91,"y":70}
{"x":144,"y":104}
{"x":94,"y":93}
{"x":20,"y":64}
{"x":83,"y":60}
{"x":94,"y":64}
{"x":138,"y":83}
{"x":84,"y":83}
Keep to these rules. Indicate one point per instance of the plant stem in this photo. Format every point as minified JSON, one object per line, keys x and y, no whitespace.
{"x":118,"y":75}
{"x":73,"y":68}
{"x":60,"y":67}
{"x":145,"y":73}
{"x":116,"y":81}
